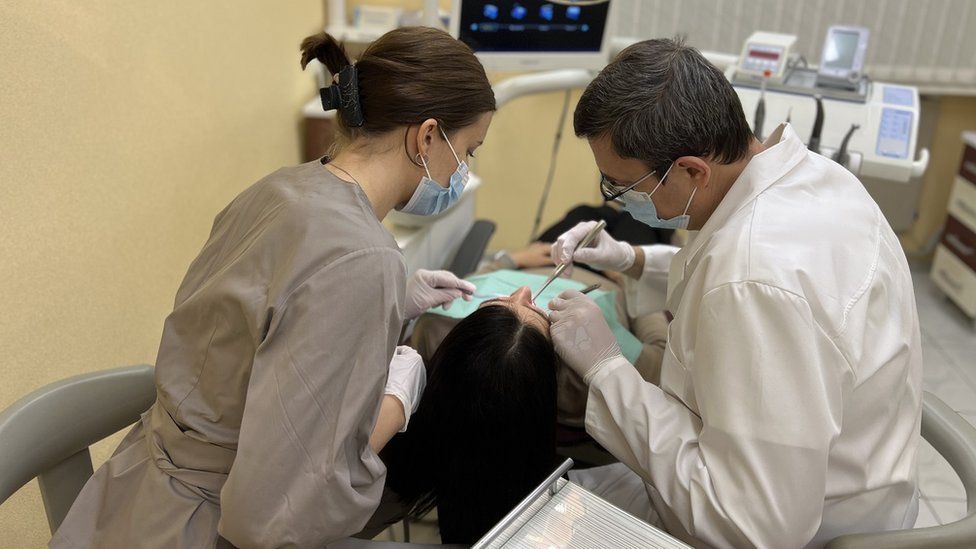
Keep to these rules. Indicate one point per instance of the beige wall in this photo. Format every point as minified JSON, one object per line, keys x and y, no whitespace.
{"x":514,"y":162}
{"x":126,"y":126}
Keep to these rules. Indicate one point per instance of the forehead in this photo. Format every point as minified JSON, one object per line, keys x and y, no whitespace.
{"x":611,"y":163}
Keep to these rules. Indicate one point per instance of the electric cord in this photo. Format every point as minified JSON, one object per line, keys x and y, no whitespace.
{"x":552,"y":169}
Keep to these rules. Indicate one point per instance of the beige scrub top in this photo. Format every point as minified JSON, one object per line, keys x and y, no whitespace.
{"x":269,"y":379}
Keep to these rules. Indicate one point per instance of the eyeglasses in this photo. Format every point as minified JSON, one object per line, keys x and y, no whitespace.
{"x":612,"y":192}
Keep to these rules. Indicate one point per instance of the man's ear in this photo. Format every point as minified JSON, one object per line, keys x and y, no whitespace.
{"x":698,"y":170}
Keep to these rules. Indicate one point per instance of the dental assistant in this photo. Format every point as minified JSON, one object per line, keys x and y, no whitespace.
{"x":278,"y":375}
{"x":790,"y":397}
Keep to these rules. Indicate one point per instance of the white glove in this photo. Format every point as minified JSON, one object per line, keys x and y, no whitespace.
{"x":581,"y":335}
{"x":406,"y":380}
{"x":603,"y":253}
{"x":427,"y":289}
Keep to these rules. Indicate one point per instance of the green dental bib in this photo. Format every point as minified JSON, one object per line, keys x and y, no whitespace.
{"x":504,"y":282}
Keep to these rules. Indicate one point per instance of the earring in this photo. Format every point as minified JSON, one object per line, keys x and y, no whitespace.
{"x":423,"y":161}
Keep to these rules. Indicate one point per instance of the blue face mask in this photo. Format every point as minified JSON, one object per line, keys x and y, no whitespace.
{"x":640,"y":206}
{"x":430,"y":197}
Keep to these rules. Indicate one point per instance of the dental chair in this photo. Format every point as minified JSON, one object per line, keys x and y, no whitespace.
{"x":955,"y":439}
{"x":46,"y":435}
{"x":472,"y":248}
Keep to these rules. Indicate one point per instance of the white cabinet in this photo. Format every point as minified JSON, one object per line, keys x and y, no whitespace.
{"x":954,"y":267}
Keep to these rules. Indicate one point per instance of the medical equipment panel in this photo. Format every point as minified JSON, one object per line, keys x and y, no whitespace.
{"x":882,"y":146}
{"x":871,"y":128}
{"x":766,"y":55}
{"x":842,"y":60}
{"x":533,"y":34}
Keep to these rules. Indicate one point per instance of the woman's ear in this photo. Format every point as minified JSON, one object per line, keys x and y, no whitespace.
{"x":425,"y":136}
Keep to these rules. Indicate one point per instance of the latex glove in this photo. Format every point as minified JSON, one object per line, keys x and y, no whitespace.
{"x":581,"y":334}
{"x":406,"y":380}
{"x":603,"y":253}
{"x":427,"y":289}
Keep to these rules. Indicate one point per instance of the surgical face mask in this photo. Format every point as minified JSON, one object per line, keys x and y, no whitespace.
{"x":640,"y":206}
{"x":430,"y":197}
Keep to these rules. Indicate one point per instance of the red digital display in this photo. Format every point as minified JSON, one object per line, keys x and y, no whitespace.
{"x":773,"y":56}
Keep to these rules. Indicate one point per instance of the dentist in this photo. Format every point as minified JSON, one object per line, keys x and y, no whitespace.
{"x":790,"y":396}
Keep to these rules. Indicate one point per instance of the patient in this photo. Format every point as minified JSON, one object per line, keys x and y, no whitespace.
{"x":641,"y":338}
{"x":485,"y":433}
{"x":498,"y":402}
{"x":487,"y":428}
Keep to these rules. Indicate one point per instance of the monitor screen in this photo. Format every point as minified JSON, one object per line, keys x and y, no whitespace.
{"x":841,"y":49}
{"x":533,"y":26}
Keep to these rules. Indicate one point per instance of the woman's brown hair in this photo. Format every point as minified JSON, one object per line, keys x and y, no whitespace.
{"x":407,"y":76}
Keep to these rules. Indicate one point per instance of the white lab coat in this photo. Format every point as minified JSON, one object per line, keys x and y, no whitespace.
{"x":790,"y":398}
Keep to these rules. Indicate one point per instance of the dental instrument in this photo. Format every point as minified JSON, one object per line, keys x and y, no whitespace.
{"x":562,"y":266}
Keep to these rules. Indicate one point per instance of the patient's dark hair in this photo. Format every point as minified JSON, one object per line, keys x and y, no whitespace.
{"x":485,"y":433}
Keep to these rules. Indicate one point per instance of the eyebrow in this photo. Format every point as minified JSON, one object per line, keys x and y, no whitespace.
{"x":610,"y":177}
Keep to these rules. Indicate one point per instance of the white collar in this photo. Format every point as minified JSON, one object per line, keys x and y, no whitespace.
{"x":783,"y":151}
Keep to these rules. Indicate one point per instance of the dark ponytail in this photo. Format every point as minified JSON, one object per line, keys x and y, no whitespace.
{"x":406,"y":76}
{"x":327,"y":50}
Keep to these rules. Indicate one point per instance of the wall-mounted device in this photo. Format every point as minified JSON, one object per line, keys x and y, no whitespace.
{"x":766,"y":55}
{"x":876,"y":139}
{"x":842,"y":61}
{"x":535,"y":35}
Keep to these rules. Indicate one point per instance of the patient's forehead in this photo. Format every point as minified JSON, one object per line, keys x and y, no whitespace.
{"x":526,"y":314}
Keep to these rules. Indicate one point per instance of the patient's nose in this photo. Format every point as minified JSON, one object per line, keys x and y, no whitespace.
{"x":522,"y":296}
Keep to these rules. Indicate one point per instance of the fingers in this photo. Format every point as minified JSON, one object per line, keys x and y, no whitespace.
{"x":562,"y":249}
{"x":564,"y":300}
{"x":444,"y":280}
{"x":586,"y":255}
{"x":445,"y":297}
{"x":555,"y":250}
{"x":402,"y":350}
{"x":405,"y":354}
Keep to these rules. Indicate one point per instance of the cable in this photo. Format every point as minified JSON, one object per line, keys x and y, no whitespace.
{"x":552,"y":169}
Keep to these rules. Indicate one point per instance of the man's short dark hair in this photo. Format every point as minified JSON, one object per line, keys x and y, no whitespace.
{"x":660,"y":100}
